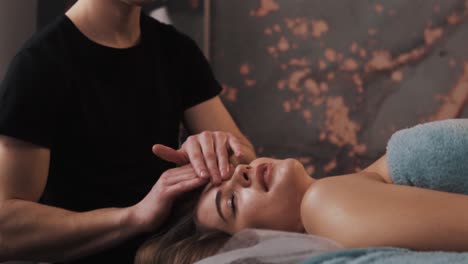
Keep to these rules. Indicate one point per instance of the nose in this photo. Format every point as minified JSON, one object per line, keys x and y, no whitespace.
{"x":242,"y":176}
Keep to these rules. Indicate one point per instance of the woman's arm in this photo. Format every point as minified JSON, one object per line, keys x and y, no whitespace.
{"x":361,"y":210}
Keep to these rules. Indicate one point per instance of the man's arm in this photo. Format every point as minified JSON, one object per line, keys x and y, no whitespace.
{"x":34,"y":232}
{"x":212,"y":115}
{"x":214,"y":136}
{"x":363,"y":211}
{"x":31,"y":231}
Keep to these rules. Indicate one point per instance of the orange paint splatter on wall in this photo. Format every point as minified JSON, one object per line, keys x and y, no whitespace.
{"x":250,"y":83}
{"x":322,"y":136}
{"x":229,"y":93}
{"x":298,"y":26}
{"x":381,"y":59}
{"x":330,"y":55}
{"x":322,"y":65}
{"x":312,"y":87}
{"x":353,"y":48}
{"x":323,"y":87}
{"x":281,"y":84}
{"x":283,"y":44}
{"x":349,"y":65}
{"x":397,"y":76}
{"x":286,"y":106}
{"x":339,"y":127}
{"x":454,"y":19}
{"x":362,"y":53}
{"x":272,"y":51}
{"x":432,"y":34}
{"x":277,"y":28}
{"x":310,"y":169}
{"x":295,"y":78}
{"x":319,"y":27}
{"x":299,"y":62}
{"x":330,"y":166}
{"x":357,"y":80}
{"x":307,"y":114}
{"x":378,"y":8}
{"x":266,"y":7}
{"x":455,"y":101}
{"x":244,"y":69}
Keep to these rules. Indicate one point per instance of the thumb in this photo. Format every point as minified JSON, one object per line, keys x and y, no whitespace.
{"x":169,"y":154}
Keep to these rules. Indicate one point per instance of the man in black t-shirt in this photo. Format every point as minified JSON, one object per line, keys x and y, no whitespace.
{"x":83,"y":104}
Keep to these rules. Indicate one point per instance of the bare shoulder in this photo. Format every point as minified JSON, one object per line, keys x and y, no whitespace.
{"x":381,"y":168}
{"x":328,"y":203}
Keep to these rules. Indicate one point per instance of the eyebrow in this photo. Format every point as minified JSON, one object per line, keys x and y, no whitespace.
{"x":218,"y":205}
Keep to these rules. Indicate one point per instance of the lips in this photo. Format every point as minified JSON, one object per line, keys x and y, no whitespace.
{"x":263,"y":175}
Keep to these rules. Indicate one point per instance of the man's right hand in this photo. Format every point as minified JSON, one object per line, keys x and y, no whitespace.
{"x":153,"y":210}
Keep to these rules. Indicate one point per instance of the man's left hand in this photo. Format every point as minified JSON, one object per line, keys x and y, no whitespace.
{"x":208,"y":152}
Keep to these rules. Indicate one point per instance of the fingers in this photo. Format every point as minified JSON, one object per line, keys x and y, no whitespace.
{"x":208,"y":148}
{"x":180,"y":176}
{"x":236,"y":146}
{"x":177,"y":181}
{"x":209,"y":154}
{"x":170,"y":154}
{"x":185,"y":186}
{"x":222,"y":154}
{"x":196,"y":157}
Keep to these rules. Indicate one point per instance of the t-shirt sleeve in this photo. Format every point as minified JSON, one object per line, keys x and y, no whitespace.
{"x":197,"y":80}
{"x":27,"y":100}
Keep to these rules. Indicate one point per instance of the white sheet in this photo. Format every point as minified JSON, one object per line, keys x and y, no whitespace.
{"x":268,"y":246}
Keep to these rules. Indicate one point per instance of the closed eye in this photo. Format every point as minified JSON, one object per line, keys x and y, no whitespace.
{"x":232,"y":204}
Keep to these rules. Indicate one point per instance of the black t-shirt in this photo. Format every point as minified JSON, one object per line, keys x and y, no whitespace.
{"x":100,"y":109}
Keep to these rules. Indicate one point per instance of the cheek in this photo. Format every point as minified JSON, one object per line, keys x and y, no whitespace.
{"x":265,"y":210}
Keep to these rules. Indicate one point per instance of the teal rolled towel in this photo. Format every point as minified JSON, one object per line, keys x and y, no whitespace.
{"x":432,"y":155}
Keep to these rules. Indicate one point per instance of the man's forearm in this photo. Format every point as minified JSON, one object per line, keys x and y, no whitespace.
{"x":33,"y":232}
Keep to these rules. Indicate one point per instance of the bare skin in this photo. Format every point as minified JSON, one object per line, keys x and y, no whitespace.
{"x":357,"y":210}
{"x":33,"y":232}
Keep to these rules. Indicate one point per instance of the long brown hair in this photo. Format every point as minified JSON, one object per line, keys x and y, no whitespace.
{"x":180,"y":240}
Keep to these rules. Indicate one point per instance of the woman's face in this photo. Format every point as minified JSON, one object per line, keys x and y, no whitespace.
{"x":266,"y":194}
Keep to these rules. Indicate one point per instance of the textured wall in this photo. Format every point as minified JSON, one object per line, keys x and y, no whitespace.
{"x":328,"y":82}
{"x":17,"y":24}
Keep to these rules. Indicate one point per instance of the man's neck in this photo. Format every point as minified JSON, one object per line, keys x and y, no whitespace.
{"x":107,"y":22}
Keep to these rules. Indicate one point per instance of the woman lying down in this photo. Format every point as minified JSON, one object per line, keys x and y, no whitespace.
{"x":412,"y":197}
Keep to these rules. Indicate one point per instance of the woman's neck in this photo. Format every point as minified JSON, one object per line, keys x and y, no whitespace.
{"x":304,"y":188}
{"x":112,"y":23}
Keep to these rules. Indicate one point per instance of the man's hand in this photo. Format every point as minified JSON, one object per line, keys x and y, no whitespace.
{"x":153,"y":210}
{"x":208,"y":152}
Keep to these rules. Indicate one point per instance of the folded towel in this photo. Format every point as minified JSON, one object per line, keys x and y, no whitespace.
{"x":388,"y":255}
{"x":432,"y":155}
